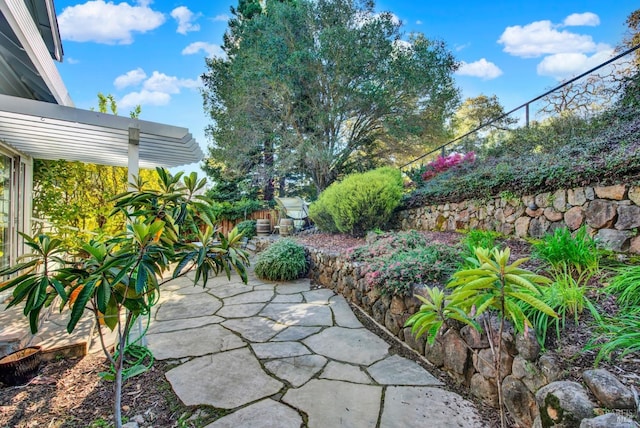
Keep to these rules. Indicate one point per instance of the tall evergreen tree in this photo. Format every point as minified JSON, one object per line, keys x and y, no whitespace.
{"x":317,"y":87}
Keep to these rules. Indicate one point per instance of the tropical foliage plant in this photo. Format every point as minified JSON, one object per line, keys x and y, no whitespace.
{"x":284,"y":260}
{"x":119,"y":278}
{"x":491,"y":283}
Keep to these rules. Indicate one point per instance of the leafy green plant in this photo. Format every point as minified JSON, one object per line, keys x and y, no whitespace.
{"x":626,"y":286}
{"x":478,"y":238}
{"x":398,"y":273}
{"x":561,"y":249}
{"x":118,"y":279}
{"x":491,"y":283}
{"x":567,"y":295}
{"x":620,"y":333}
{"x":247,"y":228}
{"x":360,"y":202}
{"x":284,"y":260}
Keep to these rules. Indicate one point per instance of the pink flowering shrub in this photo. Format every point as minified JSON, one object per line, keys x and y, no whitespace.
{"x":396,"y":263}
{"x":442,"y":164}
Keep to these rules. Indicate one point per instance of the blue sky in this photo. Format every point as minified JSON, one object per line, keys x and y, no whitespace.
{"x":152,"y":52}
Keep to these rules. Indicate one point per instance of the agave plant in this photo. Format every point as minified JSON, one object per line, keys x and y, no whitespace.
{"x":119,"y":278}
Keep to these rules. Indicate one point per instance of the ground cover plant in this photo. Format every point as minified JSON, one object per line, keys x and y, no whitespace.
{"x":284,"y":260}
{"x":566,"y":151}
{"x":396,"y":263}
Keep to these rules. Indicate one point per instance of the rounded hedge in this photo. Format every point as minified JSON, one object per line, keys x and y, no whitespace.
{"x":359,"y":203}
{"x":247,"y":228}
{"x":284,"y":260}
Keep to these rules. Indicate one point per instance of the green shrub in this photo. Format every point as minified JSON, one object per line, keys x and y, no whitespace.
{"x":284,"y":260}
{"x":360,"y":202}
{"x":247,"y":228}
{"x":320,"y":215}
{"x":478,"y":239}
{"x":579,"y":253}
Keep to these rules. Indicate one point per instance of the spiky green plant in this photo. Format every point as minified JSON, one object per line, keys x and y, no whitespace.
{"x":284,"y":260}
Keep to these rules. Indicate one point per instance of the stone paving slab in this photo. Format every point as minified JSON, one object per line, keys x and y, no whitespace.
{"x":255,"y":329}
{"x":356,"y":346}
{"x":296,"y":370}
{"x":264,"y":414}
{"x":283,"y":355}
{"x":225,"y":380}
{"x":192,"y":343}
{"x":188,"y":306}
{"x":337,"y":404}
{"x":425,"y":406}
{"x":396,"y":370}
{"x":279,"y":349}
{"x":304,"y":314}
{"x":346,"y":372}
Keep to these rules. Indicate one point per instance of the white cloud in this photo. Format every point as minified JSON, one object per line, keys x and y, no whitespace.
{"x":144,"y":97}
{"x":564,"y":65}
{"x":160,"y":82}
{"x":130,"y":78}
{"x":458,"y":48}
{"x":481,"y":68}
{"x":185,"y":19}
{"x":156,"y":89}
{"x":541,"y":38}
{"x":587,"y":19}
{"x":222,"y":18}
{"x":209,"y":48}
{"x":418,"y":22}
{"x":106,"y":22}
{"x":72,"y":60}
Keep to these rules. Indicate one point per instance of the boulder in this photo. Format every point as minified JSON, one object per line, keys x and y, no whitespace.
{"x":415,"y":344}
{"x":634,"y":194}
{"x":484,"y":363}
{"x":634,"y":245}
{"x":542,"y":200}
{"x":456,"y":353}
{"x":610,"y":420}
{"x":527,"y":345}
{"x":563,"y":404}
{"x":519,"y":401}
{"x":474,"y":338}
{"x":576,"y":197}
{"x":528,"y":373}
{"x":550,"y":367}
{"x":601,"y":214}
{"x":560,"y":200}
{"x":615,"y":240}
{"x":484,"y":389}
{"x":434,"y":353}
{"x":628,"y":217}
{"x":522,"y":226}
{"x":574,"y":217}
{"x":611,"y":192}
{"x":552,"y":214}
{"x":538,"y":227}
{"x":609,"y":391}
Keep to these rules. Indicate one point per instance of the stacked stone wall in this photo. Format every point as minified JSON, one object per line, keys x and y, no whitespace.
{"x":610,"y":213}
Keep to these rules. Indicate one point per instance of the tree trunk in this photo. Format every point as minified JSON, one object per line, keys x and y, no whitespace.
{"x":117,"y":399}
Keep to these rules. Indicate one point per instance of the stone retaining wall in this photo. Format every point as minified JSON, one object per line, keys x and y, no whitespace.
{"x":463,"y":353}
{"x":611,"y":213}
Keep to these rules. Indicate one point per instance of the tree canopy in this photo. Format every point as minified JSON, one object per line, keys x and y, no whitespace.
{"x":317,"y":89}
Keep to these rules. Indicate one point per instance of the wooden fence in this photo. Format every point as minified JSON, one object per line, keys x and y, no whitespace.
{"x":272,"y":215}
